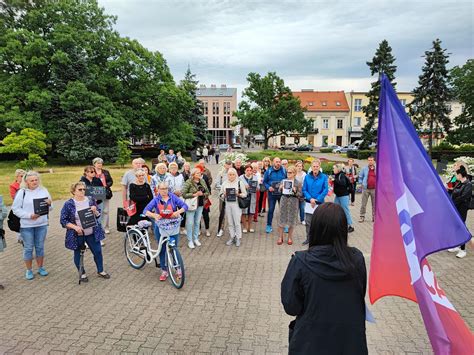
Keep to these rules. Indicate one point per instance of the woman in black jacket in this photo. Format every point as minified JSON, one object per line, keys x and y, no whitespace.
{"x":461,"y":195}
{"x":324,"y":287}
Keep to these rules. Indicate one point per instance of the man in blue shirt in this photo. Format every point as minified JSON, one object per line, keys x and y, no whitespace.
{"x":171,"y":157}
{"x":272,"y":178}
{"x":315,"y":189}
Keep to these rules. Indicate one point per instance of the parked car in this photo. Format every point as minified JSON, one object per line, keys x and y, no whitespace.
{"x":289,"y":146}
{"x":344,"y":149}
{"x":304,"y":148}
{"x":333,"y":147}
{"x":223,"y":147}
{"x":237,"y":146}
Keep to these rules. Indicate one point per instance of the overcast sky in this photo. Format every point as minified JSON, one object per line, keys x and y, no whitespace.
{"x":323,"y":45}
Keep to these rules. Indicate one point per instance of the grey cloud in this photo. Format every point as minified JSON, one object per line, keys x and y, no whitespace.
{"x":311,"y":41}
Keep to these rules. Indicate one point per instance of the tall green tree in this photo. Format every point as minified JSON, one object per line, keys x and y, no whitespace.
{"x":462,"y":81}
{"x":66,"y":71}
{"x":382,"y":62}
{"x":430,"y":103}
{"x":269,"y":108}
{"x":195,"y":117}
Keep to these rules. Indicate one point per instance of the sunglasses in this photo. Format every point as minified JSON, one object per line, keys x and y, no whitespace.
{"x":81,"y":189}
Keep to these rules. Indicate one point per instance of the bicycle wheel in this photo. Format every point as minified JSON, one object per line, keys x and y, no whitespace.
{"x":175,"y":266}
{"x":135,"y":249}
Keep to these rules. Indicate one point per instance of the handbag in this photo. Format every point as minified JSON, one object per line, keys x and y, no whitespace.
{"x":192,"y":203}
{"x":244,"y":202}
{"x":122,"y":219}
{"x":13,"y":220}
{"x":108,"y":193}
{"x":130,"y":207}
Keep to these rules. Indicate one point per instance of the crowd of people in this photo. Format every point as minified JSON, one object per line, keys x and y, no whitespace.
{"x":246,"y":192}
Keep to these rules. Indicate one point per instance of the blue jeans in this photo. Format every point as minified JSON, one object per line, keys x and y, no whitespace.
{"x":343,"y":201}
{"x":173,"y":238}
{"x":95,"y":248}
{"x":33,"y":237}
{"x":302,"y":205}
{"x":156,"y":232}
{"x":272,"y":201}
{"x":193,"y":218}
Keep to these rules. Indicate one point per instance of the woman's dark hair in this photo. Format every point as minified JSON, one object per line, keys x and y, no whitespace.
{"x":88,"y":168}
{"x":144,"y":166}
{"x":462,"y":171}
{"x":329,"y":227}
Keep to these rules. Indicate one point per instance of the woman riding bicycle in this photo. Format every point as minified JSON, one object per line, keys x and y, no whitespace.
{"x":168,"y":209}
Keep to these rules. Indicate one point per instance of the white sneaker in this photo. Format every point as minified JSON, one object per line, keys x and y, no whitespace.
{"x":207,"y":233}
{"x":244,"y":231}
{"x":303,"y":223}
{"x":461,"y":254}
{"x":454,"y":250}
{"x":107,"y":231}
{"x":197,"y":243}
{"x":220,"y":233}
{"x":191,"y":245}
{"x":102,"y":243}
{"x":252,"y":231}
{"x":230,"y":242}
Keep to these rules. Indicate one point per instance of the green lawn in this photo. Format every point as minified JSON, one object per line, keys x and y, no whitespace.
{"x":57,"y":180}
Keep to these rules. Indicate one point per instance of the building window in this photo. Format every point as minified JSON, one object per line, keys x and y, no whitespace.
{"x":324,"y":103}
{"x":205,"y":108}
{"x":310,"y":103}
{"x":338,"y":103}
{"x":226,"y":121}
{"x":403,"y":102}
{"x":448,"y":107}
{"x":226,"y":108}
{"x":215,"y":121}
{"x":340,"y":124}
{"x":325,"y":123}
{"x":215,"y":108}
{"x":357,"y":121}
{"x":358,"y":105}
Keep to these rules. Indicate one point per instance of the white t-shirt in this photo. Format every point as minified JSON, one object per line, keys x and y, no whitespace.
{"x":127,"y":179}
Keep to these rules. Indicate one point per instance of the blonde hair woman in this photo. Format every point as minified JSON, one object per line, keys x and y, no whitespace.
{"x":33,"y":220}
{"x":161,"y":175}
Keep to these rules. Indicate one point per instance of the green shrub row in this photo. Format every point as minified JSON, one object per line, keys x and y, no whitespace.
{"x":325,"y":150}
{"x":360,"y":154}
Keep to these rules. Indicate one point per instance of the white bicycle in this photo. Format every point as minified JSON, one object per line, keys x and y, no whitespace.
{"x":138,"y":251}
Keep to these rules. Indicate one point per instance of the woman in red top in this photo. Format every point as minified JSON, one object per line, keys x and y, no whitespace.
{"x":15,"y":186}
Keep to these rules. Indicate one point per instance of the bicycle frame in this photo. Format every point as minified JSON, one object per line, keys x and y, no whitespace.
{"x":150,"y":253}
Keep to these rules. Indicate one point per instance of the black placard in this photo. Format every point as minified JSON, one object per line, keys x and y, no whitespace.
{"x":253,"y":186}
{"x":230,"y":194}
{"x":87,"y":218}
{"x":276,"y":188}
{"x":40,"y":206}
{"x":97,"y":192}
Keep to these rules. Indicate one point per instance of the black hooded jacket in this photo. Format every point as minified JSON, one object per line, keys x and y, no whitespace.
{"x":327,"y":301}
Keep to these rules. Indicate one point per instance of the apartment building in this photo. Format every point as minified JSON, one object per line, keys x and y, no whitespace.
{"x":218,"y":105}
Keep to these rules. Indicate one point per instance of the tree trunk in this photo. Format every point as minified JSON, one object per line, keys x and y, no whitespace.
{"x":430,"y":139}
{"x":266,"y":137}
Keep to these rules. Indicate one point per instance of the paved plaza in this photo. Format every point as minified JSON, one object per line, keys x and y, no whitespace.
{"x":229,"y":304}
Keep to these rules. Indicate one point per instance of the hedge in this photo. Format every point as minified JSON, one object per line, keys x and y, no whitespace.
{"x":360,"y":154}
{"x":451,"y":154}
{"x":325,"y":150}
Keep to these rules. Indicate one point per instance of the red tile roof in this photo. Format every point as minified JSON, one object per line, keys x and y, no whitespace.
{"x":322,"y":100}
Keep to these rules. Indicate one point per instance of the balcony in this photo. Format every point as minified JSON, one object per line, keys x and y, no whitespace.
{"x":357,"y":129}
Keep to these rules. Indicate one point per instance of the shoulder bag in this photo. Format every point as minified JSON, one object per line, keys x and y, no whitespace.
{"x":13,"y":220}
{"x":244,"y":202}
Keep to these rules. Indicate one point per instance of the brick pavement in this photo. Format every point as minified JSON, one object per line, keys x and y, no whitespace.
{"x":229,"y":304}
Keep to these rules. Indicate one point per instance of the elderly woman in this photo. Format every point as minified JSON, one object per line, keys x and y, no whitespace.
{"x":3,"y":215}
{"x":29,"y":205}
{"x":76,"y":235}
{"x":300,"y":175}
{"x":289,"y":206}
{"x":161,"y":175}
{"x":342,"y":190}
{"x":195,"y":188}
{"x":107,"y":181}
{"x":140,"y":194}
{"x":262,"y":200}
{"x":180,"y":160}
{"x":231,"y":190}
{"x":167,"y":209}
{"x":251,"y":182}
{"x":175,"y":180}
{"x":186,"y":171}
{"x":324,"y":287}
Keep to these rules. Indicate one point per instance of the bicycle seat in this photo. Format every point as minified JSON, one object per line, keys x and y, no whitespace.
{"x":144,"y":224}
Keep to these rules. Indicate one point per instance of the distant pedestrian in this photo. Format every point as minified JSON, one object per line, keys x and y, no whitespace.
{"x":342,"y":190}
{"x":217,"y":154}
{"x":205,"y":154}
{"x":324,"y":287}
{"x":170,"y":157}
{"x":368,"y":180}
{"x":212,"y":151}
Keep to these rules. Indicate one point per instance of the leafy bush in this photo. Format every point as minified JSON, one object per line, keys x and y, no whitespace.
{"x":325,"y":150}
{"x":360,"y":154}
{"x":33,"y":161}
{"x":124,"y":153}
{"x":444,"y":146}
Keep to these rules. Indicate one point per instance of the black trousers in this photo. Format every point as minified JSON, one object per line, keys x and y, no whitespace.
{"x":221,"y":214}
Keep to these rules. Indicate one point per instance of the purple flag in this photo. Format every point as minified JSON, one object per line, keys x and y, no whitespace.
{"x":415,"y":217}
